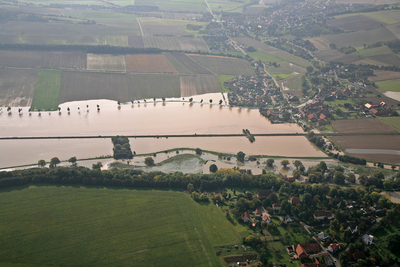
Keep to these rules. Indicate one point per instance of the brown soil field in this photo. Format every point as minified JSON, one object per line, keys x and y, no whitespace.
{"x":199,"y":84}
{"x":135,"y":41}
{"x":354,"y":23}
{"x":106,"y":62}
{"x":122,"y":87}
{"x":395,"y":14}
{"x":193,"y":44}
{"x":189,"y":63}
{"x":389,"y":142}
{"x":383,"y":75}
{"x":162,"y":30}
{"x":254,"y":43}
{"x":333,"y":55}
{"x":148,"y":63}
{"x":40,"y":59}
{"x":368,"y":125}
{"x":388,"y":59}
{"x":17,"y":87}
{"x":319,"y":44}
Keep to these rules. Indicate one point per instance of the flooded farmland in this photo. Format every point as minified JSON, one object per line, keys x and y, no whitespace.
{"x":144,"y":119}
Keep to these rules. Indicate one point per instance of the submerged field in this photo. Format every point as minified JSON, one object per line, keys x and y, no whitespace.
{"x":109,"y":227}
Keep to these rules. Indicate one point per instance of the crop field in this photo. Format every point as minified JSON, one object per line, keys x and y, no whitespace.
{"x":368,"y":125}
{"x":60,"y":39}
{"x":354,"y":23}
{"x":47,"y":90}
{"x":101,"y":15}
{"x":254,"y":43}
{"x":49,"y":28}
{"x":319,"y":43}
{"x":395,"y":28}
{"x":376,"y":51}
{"x":290,"y":58}
{"x":225,"y":65}
{"x":384,"y":142}
{"x":40,"y":59}
{"x":333,"y":55}
{"x":359,"y":38}
{"x":264,"y":57}
{"x":106,"y":62}
{"x":17,"y":87}
{"x":383,"y":75}
{"x":199,"y":84}
{"x":389,"y":85}
{"x":188,"y":63}
{"x":135,"y":41}
{"x":394,"y":121}
{"x":163,"y":30}
{"x":387,"y":59}
{"x":109,"y":227}
{"x":117,"y":86}
{"x":175,"y":43}
{"x":394,"y":14}
{"x":148,"y":63}
{"x":116,"y":40}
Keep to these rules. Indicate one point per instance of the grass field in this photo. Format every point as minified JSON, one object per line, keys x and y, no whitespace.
{"x":394,"y":121}
{"x":382,"y":75}
{"x":290,"y":58}
{"x":176,"y":5}
{"x":389,"y":85}
{"x":389,"y":59}
{"x":254,"y":43}
{"x":376,"y":51}
{"x":333,"y":55}
{"x":225,"y":65}
{"x":47,"y":90}
{"x":17,"y":87}
{"x":264,"y":57}
{"x":185,"y":63}
{"x":109,"y":227}
{"x":381,"y":16}
{"x":222,"y":79}
{"x":148,"y":63}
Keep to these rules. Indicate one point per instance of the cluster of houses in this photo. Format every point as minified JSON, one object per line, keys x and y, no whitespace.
{"x":378,"y":109}
{"x":253,"y":91}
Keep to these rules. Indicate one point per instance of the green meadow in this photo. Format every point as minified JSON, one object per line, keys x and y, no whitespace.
{"x":47,"y":90}
{"x":389,"y":85}
{"x":97,"y":226}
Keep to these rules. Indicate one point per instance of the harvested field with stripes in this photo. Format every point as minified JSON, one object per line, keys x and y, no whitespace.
{"x":122,"y":87}
{"x":176,"y":43}
{"x":148,"y":63}
{"x":41,"y":59}
{"x":199,"y":84}
{"x":17,"y":87}
{"x":225,"y":65}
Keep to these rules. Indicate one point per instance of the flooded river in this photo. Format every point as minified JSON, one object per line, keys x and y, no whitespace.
{"x":143,"y":119}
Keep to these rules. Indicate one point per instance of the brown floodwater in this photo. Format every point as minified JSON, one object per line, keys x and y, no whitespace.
{"x":144,"y":119}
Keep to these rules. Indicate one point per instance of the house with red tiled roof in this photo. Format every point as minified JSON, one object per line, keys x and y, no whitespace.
{"x":266,"y":218}
{"x":295,"y":200}
{"x":303,"y":250}
{"x":373,"y":111}
{"x":246,"y":217}
{"x":332,"y":248}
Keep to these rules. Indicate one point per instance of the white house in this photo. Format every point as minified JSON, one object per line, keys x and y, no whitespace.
{"x":288,"y":219}
{"x":368,"y":239}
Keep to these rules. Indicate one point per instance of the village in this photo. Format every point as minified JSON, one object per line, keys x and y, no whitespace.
{"x":336,"y":225}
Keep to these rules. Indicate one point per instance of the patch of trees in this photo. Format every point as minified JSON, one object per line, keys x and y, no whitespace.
{"x":316,"y":140}
{"x":122,"y":148}
{"x":249,"y":135}
{"x":347,"y":50}
{"x":138,"y":178}
{"x":305,"y":43}
{"x":8,"y":15}
{"x":349,"y":159}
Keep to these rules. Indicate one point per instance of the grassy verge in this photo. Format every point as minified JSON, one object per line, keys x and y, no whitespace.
{"x":47,"y":90}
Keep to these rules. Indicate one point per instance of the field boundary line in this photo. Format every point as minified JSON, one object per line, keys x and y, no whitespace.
{"x":201,"y":65}
{"x":140,"y":27}
{"x":201,"y":242}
